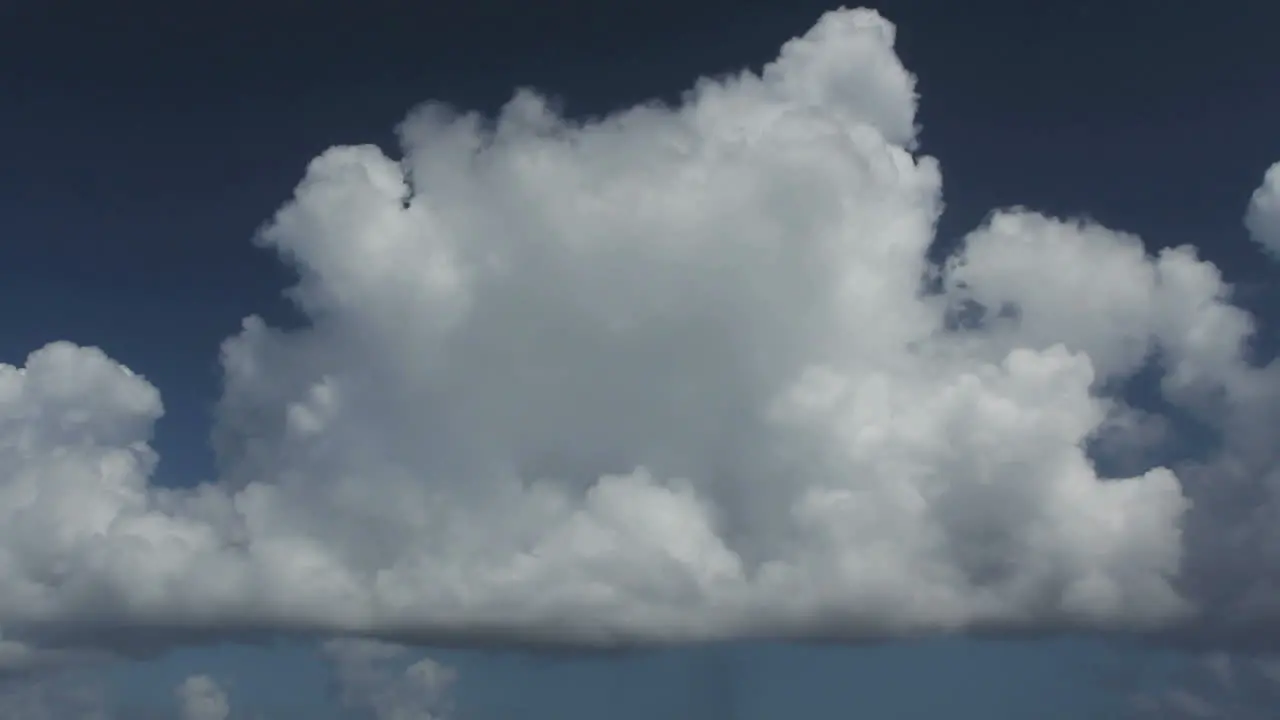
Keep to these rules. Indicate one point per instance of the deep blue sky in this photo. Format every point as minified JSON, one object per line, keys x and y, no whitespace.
{"x":141,"y":145}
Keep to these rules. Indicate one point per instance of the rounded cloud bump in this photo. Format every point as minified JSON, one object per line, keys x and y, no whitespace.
{"x":681,"y":373}
{"x":1263,"y":216}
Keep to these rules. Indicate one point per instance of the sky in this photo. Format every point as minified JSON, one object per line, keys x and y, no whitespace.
{"x":717,"y":360}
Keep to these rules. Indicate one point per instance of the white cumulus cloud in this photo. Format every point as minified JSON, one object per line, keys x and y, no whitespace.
{"x":200,"y":697}
{"x":1263,"y":216}
{"x":373,"y":677}
{"x":675,"y":374}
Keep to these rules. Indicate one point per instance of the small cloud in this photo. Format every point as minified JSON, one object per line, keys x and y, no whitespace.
{"x":201,"y":698}
{"x":54,"y":695}
{"x":375,"y":677}
{"x":1219,"y":685}
{"x":1263,"y":216}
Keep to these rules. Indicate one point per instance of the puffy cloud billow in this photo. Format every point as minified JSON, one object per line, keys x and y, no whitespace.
{"x":200,"y":697}
{"x":1263,"y":216}
{"x":679,"y":373}
{"x":373,"y":678}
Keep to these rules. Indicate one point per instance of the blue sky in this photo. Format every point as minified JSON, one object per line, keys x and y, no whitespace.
{"x":141,"y":151}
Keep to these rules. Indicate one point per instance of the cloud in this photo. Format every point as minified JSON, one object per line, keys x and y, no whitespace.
{"x":372,"y":677}
{"x":18,"y":657}
{"x":1219,"y":685}
{"x":201,"y":698}
{"x":1263,"y":216}
{"x":81,"y":693}
{"x":54,"y":695}
{"x":678,"y":373}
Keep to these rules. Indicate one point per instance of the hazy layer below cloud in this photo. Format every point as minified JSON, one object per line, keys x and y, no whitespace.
{"x":679,"y":373}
